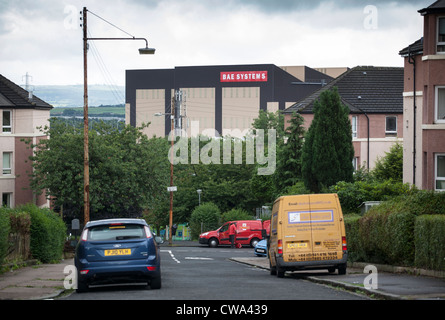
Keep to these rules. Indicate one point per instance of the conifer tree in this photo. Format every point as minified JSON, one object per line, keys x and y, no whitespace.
{"x":289,"y":154}
{"x":328,"y":151}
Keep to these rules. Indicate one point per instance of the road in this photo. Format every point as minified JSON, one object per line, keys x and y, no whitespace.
{"x":202,"y":273}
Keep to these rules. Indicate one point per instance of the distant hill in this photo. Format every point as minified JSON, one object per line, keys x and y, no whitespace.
{"x":72,"y":95}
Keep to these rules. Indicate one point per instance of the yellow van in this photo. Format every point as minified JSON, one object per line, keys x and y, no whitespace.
{"x":307,"y":232}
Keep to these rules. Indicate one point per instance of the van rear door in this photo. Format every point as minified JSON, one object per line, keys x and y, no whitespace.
{"x":326,"y":227}
{"x":312,"y":231}
{"x":296,"y":230}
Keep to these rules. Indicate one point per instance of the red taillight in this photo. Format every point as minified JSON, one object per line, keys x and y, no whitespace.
{"x":151,"y":268}
{"x":343,"y":244}
{"x":84,"y":271}
{"x":280,"y":247}
{"x":147,"y":232}
{"x":84,"y":235}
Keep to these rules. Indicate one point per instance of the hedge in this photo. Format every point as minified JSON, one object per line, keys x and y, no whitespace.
{"x":4,"y":233}
{"x":429,"y":240}
{"x":48,"y":232}
{"x":408,"y":230}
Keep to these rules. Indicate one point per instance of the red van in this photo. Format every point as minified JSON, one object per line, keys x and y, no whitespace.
{"x":249,"y":232}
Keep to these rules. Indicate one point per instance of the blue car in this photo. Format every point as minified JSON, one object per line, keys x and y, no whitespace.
{"x":261,"y":248}
{"x":117,"y":251}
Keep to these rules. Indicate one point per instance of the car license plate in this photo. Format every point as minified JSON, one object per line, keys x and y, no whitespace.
{"x":297,"y":245}
{"x":260,"y":250}
{"x":118,"y":252}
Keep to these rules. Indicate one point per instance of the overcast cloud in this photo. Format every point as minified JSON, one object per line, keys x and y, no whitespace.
{"x":43,"y":37}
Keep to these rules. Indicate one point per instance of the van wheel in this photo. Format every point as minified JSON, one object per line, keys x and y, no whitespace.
{"x":342,"y":269}
{"x":254,"y":242}
{"x":213,"y":243}
{"x":279,"y":271}
{"x":273,"y":270}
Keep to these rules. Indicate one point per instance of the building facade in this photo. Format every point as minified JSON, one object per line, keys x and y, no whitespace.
{"x":374,"y":98}
{"x":424,"y":103}
{"x":20,"y":115}
{"x":213,"y":100}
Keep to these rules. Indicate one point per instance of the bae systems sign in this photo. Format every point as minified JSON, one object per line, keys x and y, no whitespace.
{"x":244,"y":76}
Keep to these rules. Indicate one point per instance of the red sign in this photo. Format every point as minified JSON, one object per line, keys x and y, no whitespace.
{"x":244,"y":76}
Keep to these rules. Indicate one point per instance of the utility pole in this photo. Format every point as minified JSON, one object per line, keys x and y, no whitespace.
{"x":86,"y":167}
{"x":86,"y":170}
{"x":172,"y":131}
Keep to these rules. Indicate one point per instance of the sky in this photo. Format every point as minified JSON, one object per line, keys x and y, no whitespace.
{"x":44,"y":39}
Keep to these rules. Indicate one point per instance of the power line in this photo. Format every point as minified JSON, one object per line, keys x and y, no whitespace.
{"x":111,"y":24}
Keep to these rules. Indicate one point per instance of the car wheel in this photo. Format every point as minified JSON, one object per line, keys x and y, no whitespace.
{"x":82,"y":287}
{"x":155,"y":283}
{"x":254,"y":242}
{"x":213,"y":243}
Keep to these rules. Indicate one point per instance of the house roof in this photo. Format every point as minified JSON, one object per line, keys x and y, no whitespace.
{"x":414,"y":48}
{"x":436,"y":7}
{"x":14,"y":96}
{"x":362,"y":89}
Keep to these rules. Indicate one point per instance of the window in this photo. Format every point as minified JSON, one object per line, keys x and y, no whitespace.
{"x":355,"y":163}
{"x":6,"y":122}
{"x":391,"y":125}
{"x":6,"y":200}
{"x":116,"y":232}
{"x":440,"y":172}
{"x":7,"y":157}
{"x":354,"y":124}
{"x":440,"y":105}
{"x":441,"y":35}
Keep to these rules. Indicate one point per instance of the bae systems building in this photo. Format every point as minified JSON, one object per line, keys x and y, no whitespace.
{"x":221,"y":98}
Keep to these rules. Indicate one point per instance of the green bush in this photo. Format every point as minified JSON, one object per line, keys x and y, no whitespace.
{"x":236,"y":214}
{"x":353,"y":194}
{"x":400,"y":231}
{"x":48,"y":232}
{"x":429,"y":235}
{"x":4,"y":233}
{"x":206,"y":215}
{"x":352,"y":228}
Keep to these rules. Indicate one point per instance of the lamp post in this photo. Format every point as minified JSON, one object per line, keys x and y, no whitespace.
{"x":86,"y":172}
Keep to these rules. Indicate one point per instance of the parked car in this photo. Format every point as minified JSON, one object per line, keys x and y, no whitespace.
{"x":116,"y":251}
{"x":248,"y":232}
{"x":261,"y":248}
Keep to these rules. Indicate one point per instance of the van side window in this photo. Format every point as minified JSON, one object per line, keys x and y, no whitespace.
{"x":224,"y":228}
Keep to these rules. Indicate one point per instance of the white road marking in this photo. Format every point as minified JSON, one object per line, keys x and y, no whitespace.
{"x":172,"y":255}
{"x":197,"y":258}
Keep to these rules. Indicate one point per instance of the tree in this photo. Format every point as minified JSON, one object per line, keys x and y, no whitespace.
{"x":205,"y":217}
{"x":127,"y":169}
{"x":269,"y":120}
{"x":328,"y":150}
{"x":390,"y":167}
{"x":289,"y":154}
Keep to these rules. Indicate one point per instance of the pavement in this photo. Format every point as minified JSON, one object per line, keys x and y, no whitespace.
{"x":46,"y":281}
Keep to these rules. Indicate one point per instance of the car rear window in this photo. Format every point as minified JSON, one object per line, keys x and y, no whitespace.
{"x":116,"y":232}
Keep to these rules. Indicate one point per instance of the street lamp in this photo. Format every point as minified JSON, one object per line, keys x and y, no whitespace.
{"x":86,"y":172}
